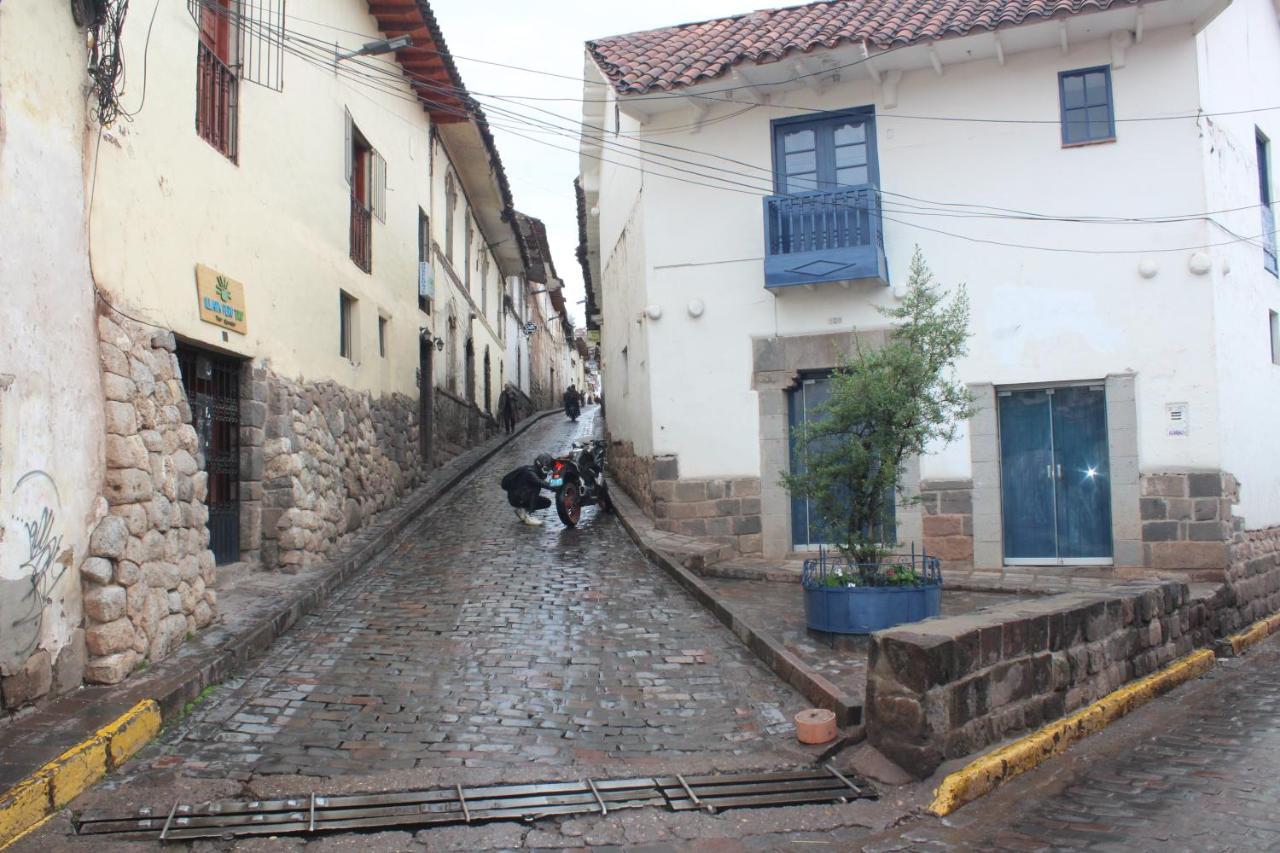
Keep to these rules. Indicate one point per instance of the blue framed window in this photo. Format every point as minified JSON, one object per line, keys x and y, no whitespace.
{"x":824,"y":153}
{"x":1088,"y":112}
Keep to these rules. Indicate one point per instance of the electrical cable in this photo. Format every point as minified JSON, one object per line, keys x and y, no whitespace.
{"x":382,"y":85}
{"x":463,"y":92}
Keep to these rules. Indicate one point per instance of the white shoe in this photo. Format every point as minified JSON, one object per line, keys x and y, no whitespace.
{"x":522,"y":514}
{"x":531,"y":521}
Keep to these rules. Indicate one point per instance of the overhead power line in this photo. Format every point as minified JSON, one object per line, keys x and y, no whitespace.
{"x":393,"y":86}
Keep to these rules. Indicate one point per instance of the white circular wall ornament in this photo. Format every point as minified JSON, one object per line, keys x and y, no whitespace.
{"x":1199,"y":263}
{"x":653,"y":312}
{"x":1147,"y":268}
{"x":899,"y":291}
{"x":696,"y":307}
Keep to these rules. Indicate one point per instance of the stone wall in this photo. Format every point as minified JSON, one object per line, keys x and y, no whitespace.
{"x":945,"y":688}
{"x":148,"y":581}
{"x":725,"y":511}
{"x":1252,"y":590}
{"x":947,"y":506}
{"x":634,"y":473}
{"x":458,"y":425}
{"x":332,"y":459}
{"x":1187,"y":521}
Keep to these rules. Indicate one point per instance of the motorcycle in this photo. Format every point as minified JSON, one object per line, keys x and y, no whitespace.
{"x":578,"y":477}
{"x":572,"y":410}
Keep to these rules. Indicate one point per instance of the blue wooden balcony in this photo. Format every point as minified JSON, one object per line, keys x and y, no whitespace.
{"x":824,"y":236}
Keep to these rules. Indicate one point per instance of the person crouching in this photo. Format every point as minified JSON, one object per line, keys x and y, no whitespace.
{"x":524,"y":487}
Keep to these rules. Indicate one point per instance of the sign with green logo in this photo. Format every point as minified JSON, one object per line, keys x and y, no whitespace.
{"x":221,"y":300}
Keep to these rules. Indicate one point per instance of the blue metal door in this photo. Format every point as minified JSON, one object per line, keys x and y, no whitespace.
{"x":1054,"y":475}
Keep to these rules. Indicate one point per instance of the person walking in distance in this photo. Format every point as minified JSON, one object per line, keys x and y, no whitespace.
{"x":507,"y":410}
{"x":524,"y":487}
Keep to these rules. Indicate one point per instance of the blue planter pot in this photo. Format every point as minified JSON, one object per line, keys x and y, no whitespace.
{"x":864,"y":609}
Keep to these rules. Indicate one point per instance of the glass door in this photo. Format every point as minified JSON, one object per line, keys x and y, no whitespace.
{"x":1055,"y":477}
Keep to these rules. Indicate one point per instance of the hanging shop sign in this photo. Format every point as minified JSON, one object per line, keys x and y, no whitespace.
{"x":426,"y":281}
{"x":221,"y":300}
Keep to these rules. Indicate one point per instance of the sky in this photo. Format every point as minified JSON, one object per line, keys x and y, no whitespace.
{"x":549,"y":36}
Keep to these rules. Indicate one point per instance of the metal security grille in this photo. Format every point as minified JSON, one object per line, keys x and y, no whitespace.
{"x":459,"y":805}
{"x":212,"y":384}
{"x":260,"y":33}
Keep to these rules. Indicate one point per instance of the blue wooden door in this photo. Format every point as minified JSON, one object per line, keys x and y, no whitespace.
{"x":807,"y":530}
{"x":1055,"y":476}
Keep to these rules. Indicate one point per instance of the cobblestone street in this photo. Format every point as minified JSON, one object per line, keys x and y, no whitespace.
{"x":484,"y":643}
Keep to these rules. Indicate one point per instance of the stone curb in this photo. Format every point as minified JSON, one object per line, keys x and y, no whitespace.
{"x":31,"y":802}
{"x":985,"y":774}
{"x":813,"y":686}
{"x":38,"y":795}
{"x":1236,"y":644}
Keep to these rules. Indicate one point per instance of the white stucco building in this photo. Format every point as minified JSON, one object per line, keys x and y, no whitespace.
{"x":256,"y":287}
{"x":1098,"y":178}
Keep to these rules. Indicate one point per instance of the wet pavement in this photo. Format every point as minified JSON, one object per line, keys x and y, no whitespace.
{"x":486,"y":643}
{"x":481,"y":651}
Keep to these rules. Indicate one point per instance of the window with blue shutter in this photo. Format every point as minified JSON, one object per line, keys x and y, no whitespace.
{"x":1088,"y":112}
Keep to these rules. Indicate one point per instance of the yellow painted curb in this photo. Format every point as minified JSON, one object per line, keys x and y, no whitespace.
{"x":33,"y":800}
{"x":1254,"y":634}
{"x":985,"y":774}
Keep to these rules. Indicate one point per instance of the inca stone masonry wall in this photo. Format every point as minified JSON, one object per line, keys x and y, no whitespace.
{"x":332,"y":458}
{"x":725,"y":511}
{"x":945,"y":688}
{"x":947,"y":506}
{"x":1187,"y":521}
{"x":148,"y":581}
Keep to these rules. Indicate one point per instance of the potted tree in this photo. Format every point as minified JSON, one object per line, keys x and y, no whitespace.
{"x":886,"y":405}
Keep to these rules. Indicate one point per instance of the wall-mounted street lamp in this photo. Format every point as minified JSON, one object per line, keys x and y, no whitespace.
{"x":375,"y":48}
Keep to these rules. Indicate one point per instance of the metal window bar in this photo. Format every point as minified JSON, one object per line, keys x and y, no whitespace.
{"x":212,"y":386}
{"x":217,"y":102}
{"x":260,"y":30}
{"x":361,"y":235}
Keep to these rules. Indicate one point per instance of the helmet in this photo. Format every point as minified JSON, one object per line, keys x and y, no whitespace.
{"x":543,"y":462}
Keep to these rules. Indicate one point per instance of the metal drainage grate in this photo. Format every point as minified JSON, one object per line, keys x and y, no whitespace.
{"x":457,"y":805}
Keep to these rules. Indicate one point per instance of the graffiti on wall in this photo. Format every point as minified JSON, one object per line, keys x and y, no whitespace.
{"x":34,"y":563}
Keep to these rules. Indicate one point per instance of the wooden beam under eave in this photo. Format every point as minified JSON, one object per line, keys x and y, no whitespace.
{"x":392,"y":7}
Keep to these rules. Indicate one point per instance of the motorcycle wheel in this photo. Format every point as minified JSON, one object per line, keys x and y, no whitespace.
{"x":569,"y":504}
{"x":605,"y":502}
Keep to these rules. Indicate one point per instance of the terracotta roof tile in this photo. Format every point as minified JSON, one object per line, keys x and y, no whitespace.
{"x":670,"y":57}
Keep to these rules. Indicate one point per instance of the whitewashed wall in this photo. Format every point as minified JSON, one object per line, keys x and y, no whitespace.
{"x":51,"y":421}
{"x":278,"y":220}
{"x":1239,"y":56}
{"x":1037,"y":316}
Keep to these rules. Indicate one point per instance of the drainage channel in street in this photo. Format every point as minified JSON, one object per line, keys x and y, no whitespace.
{"x":450,"y":806}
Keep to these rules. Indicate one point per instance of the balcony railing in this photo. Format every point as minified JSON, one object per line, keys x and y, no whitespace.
{"x":361,"y":235}
{"x":828,"y":235}
{"x":217,"y":102}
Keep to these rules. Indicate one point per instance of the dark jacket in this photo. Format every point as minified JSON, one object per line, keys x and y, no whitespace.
{"x":523,"y":486}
